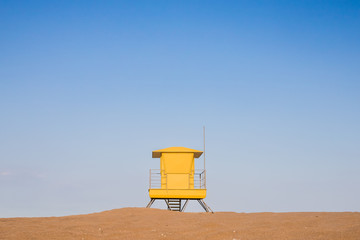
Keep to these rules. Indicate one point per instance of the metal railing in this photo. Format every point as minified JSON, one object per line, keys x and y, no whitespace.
{"x":155,"y":178}
{"x":158,"y":180}
{"x":200,"y":179}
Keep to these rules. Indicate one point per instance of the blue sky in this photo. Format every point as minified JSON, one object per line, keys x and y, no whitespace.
{"x":89,"y":88}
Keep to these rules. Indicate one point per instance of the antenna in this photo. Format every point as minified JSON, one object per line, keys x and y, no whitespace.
{"x":204,"y":145}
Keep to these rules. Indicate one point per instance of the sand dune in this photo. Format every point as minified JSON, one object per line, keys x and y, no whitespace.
{"x":140,"y":223}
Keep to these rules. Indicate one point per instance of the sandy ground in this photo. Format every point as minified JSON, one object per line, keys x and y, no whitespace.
{"x":141,"y":223}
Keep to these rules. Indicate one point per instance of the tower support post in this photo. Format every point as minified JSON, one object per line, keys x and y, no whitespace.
{"x":150,"y":203}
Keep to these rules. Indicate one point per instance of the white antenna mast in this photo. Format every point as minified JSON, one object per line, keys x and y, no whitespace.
{"x":204,"y":145}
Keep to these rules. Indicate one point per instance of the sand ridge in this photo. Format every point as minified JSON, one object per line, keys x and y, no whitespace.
{"x":142,"y":223}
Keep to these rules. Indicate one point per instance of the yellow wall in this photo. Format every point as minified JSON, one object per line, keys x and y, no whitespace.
{"x":177,"y":170}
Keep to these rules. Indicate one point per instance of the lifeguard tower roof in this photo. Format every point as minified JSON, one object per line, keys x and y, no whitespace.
{"x":157,"y":153}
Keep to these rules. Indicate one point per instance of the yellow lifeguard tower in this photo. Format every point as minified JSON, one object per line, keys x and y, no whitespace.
{"x":177,"y":179}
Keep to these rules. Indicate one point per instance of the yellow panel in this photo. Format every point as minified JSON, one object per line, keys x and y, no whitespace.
{"x":178,"y":162}
{"x":177,"y":181}
{"x":172,"y":193}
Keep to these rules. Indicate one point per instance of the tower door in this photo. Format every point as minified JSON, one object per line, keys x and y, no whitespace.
{"x":177,"y":170}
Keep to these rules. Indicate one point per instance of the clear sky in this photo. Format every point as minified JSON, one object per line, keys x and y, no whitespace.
{"x":89,"y":88}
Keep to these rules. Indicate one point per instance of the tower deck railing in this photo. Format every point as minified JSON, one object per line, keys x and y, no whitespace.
{"x":158,"y":180}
